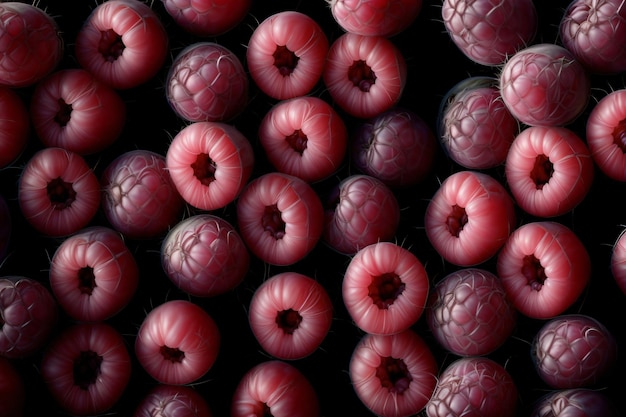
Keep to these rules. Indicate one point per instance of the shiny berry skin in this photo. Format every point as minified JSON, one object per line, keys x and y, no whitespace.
{"x":544,"y":85}
{"x":594,"y":32}
{"x":573,"y":351}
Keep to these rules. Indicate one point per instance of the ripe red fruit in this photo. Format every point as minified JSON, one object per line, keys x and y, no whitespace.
{"x":274,"y":388}
{"x":58,"y":192}
{"x":604,"y":133}
{"x":385,"y":288}
{"x":549,"y":170}
{"x":360,"y":210}
{"x":31,"y":46}
{"x":489,"y":31}
{"x":573,"y":351}
{"x":87,"y":368}
{"x":476,"y":128}
{"x":286,"y":54}
{"x":173,"y":401}
{"x":583,"y":402}
{"x":123,"y":43}
{"x":383,"y":18}
{"x":204,"y":256}
{"x":469,"y":218}
{"x":544,"y":267}
{"x":474,"y":386}
{"x":93,"y":274}
{"x":469,"y":313}
{"x":139,"y":198}
{"x":207,"y":17}
{"x":280,"y":218}
{"x":304,"y":137}
{"x":544,"y":85}
{"x":207,"y":83}
{"x":28,"y":314}
{"x":177,"y":343}
{"x":364,"y":75}
{"x":393,"y":375}
{"x":397,"y":146}
{"x":210,"y":164}
{"x":593,"y":32}
{"x":618,"y":262}
{"x":71,"y":109}
{"x":290,"y":314}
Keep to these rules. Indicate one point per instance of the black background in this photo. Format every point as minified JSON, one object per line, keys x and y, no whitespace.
{"x":435,"y":65}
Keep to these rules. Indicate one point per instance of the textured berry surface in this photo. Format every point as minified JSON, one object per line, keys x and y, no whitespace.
{"x":207,"y":82}
{"x":469,"y":218}
{"x":580,"y":402}
{"x":473,"y":386}
{"x":594,"y":32}
{"x":544,"y":268}
{"x":173,"y":400}
{"x":397,"y":146}
{"x":286,"y":54}
{"x":469,"y":312}
{"x":206,"y":18}
{"x":58,"y":192}
{"x":375,"y":17}
{"x":394,"y":375}
{"x":290,"y":315}
{"x":123,"y":43}
{"x":544,"y":85}
{"x":204,"y":255}
{"x":139,"y":198}
{"x":30,"y":44}
{"x":384,"y":288}
{"x":434,"y":65}
{"x":277,"y":388}
{"x":361,"y":210}
{"x":489,"y":31}
{"x":304,"y":137}
{"x":475,"y":126}
{"x":28,"y":312}
{"x":573,"y":351}
{"x":365,"y":75}
{"x":280,"y":218}
{"x":93,"y":274}
{"x":605,"y":133}
{"x":549,"y":170}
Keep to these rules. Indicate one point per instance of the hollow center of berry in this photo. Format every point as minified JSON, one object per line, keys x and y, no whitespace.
{"x":173,"y":355}
{"x":273,"y":222}
{"x":61,"y":193}
{"x":542,"y":171}
{"x":393,"y":374}
{"x":457,"y":219}
{"x":64,"y":114}
{"x":288,"y":320}
{"x":111,"y":45}
{"x":86,"y":369}
{"x":285,"y":60}
{"x":297,"y":140}
{"x":385,"y":289}
{"x":361,"y":75}
{"x":619,"y":135}
{"x":533,"y":271}
{"x":204,"y":169}
{"x":86,"y":280}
